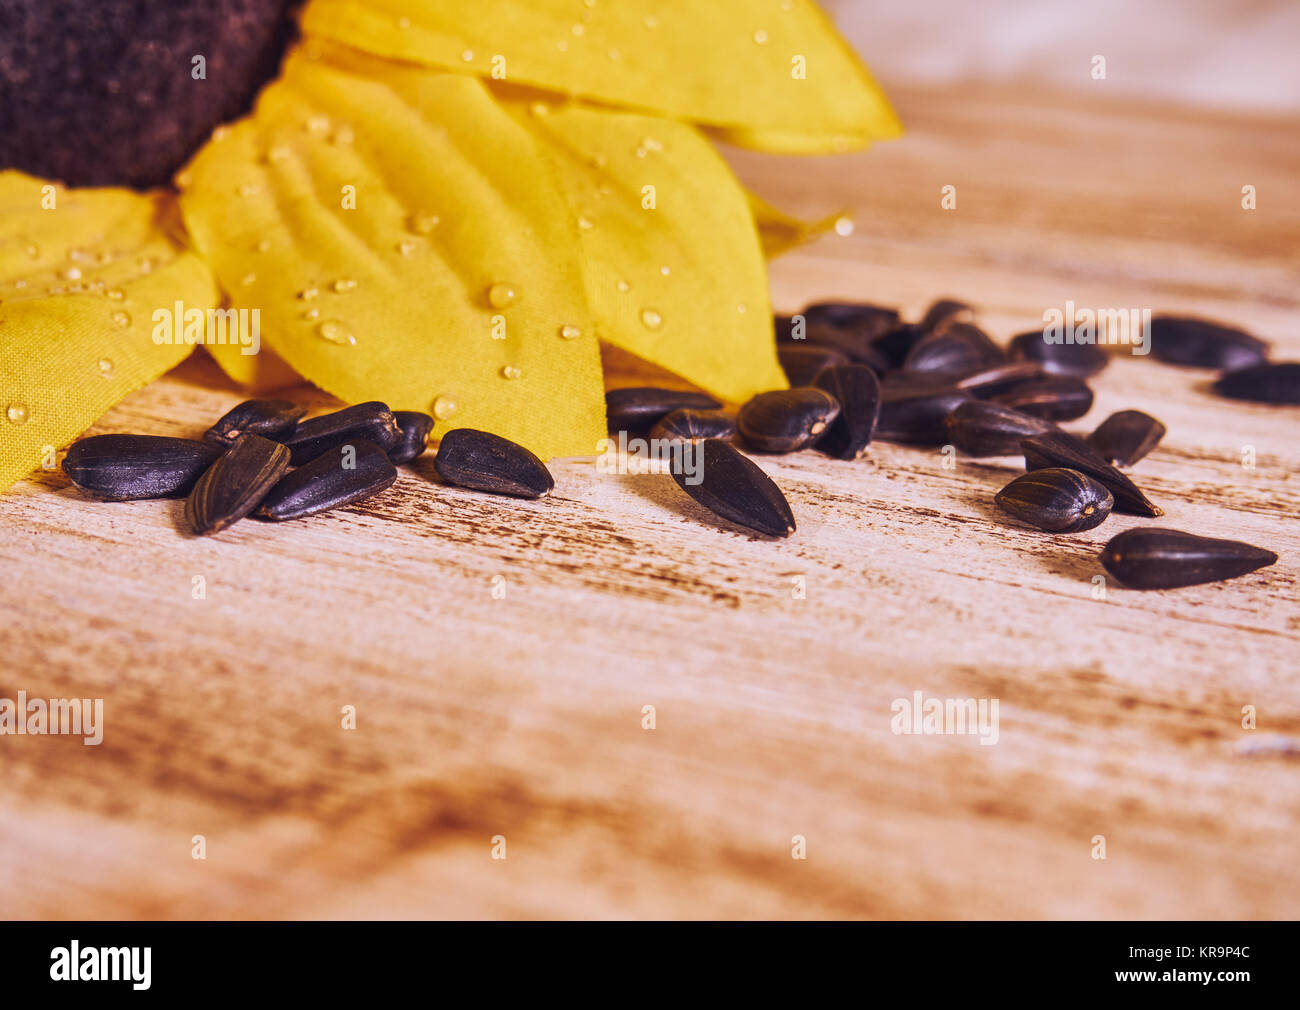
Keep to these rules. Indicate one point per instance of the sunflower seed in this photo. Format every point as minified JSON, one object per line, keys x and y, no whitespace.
{"x":1057,"y":398}
{"x":1153,"y":558}
{"x":786,"y":420}
{"x":127,"y":467}
{"x":1125,"y":437}
{"x":957,"y":349}
{"x":637,"y":409}
{"x":236,"y":483}
{"x":990,"y":382}
{"x":980,"y":428}
{"x":857,"y":390}
{"x":801,"y":362}
{"x":1078,"y":360}
{"x":1056,"y":500}
{"x":415,"y":428}
{"x":486,"y":462}
{"x":1059,"y":448}
{"x":897,"y":342}
{"x":737,"y":489}
{"x":1201,"y":343}
{"x":345,"y":474}
{"x":1268,"y":383}
{"x":694,"y":426}
{"x":371,"y":422}
{"x":268,"y":418}
{"x":914,"y":413}
{"x":945,"y":311}
{"x":850,"y":328}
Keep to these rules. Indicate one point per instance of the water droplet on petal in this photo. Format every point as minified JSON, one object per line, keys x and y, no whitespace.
{"x":33,"y":251}
{"x":510,"y":372}
{"x":248,"y":279}
{"x":117,"y":294}
{"x":105,"y":366}
{"x":278,"y":153}
{"x":72,"y":273}
{"x":403,"y":22}
{"x":577,"y":30}
{"x":640,"y":152}
{"x":502,"y":295}
{"x":16,"y":413}
{"x":247,"y":189}
{"x":422,"y":224}
{"x":221,"y":133}
{"x":665,"y":270}
{"x":598,"y":161}
{"x":539,"y":109}
{"x":343,"y":285}
{"x":742,"y":308}
{"x":844,"y":226}
{"x":651,"y":144}
{"x":468,"y":56}
{"x":615,"y":55}
{"x":624,"y":286}
{"x":562,"y":45}
{"x":586,"y":224}
{"x":407,"y":247}
{"x":651,"y":21}
{"x":307,"y":294}
{"x":342,"y":136}
{"x":760,"y":37}
{"x":184,"y":178}
{"x":335,"y":332}
{"x":444,"y":407}
{"x":148,"y":264}
{"x":569,"y":332}
{"x":651,"y":319}
{"x":312,"y":313}
{"x":121,"y":318}
{"x":263,"y":245}
{"x":317,"y":124}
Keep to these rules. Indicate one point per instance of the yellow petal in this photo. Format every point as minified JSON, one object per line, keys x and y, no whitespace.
{"x":448,"y":287}
{"x":780,"y":232}
{"x":82,"y":273}
{"x":775,"y":72}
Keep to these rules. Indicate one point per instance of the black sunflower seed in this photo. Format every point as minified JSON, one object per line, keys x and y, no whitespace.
{"x":980,"y":428}
{"x":944,"y":311}
{"x":1125,"y":437}
{"x":486,"y":462}
{"x":635,"y":410}
{"x":345,"y":474}
{"x":1201,"y":343}
{"x":1268,"y":383}
{"x":694,"y":426}
{"x":850,"y":328}
{"x":236,"y":483}
{"x":801,"y":362}
{"x":786,"y":420}
{"x":1059,"y":448}
{"x":415,"y":428}
{"x":1153,"y":558}
{"x":127,"y":467}
{"x":269,"y":418}
{"x":1056,"y":398}
{"x":990,"y":382}
{"x":1078,"y":360}
{"x":956,"y":349}
{"x":857,"y":390}
{"x":736,"y":488}
{"x":370,"y":422}
{"x":914,"y":413}
{"x":1056,"y":500}
{"x":897,"y":342}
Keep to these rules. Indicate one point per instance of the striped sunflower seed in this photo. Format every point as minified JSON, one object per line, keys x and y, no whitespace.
{"x":415,"y":428}
{"x":857,"y":390}
{"x":1056,"y":500}
{"x":1060,"y":448}
{"x":694,"y":426}
{"x":914,"y":413}
{"x":981,"y":428}
{"x":1126,"y":436}
{"x":736,"y":488}
{"x":370,"y":422}
{"x":1056,"y":398}
{"x":802,"y":362}
{"x":129,"y":467}
{"x":786,"y":420}
{"x":271,"y":419}
{"x":956,"y":349}
{"x":945,"y":311}
{"x":486,"y":462}
{"x":1153,"y":558}
{"x":1269,"y":383}
{"x":1202,"y":343}
{"x":637,"y":409}
{"x":341,"y":476}
{"x":1078,"y":360}
{"x":236,"y":483}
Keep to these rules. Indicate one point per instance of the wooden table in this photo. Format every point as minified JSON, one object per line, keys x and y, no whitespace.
{"x":482,"y":715}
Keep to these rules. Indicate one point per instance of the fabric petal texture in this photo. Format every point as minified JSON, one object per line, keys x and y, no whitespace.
{"x":82,"y":275}
{"x":409,"y":244}
{"x":775,"y":73}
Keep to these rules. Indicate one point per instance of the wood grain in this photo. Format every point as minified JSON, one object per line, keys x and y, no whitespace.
{"x":521,"y":716}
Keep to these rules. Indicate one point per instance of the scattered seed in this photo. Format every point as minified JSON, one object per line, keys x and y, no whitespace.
{"x":1127,"y":436}
{"x":1059,"y":448}
{"x":1267,"y":383}
{"x":694,"y":426}
{"x":915,"y":414}
{"x":981,"y":428}
{"x":1201,"y":343}
{"x":896,"y":343}
{"x":1056,"y":500}
{"x":786,"y":420}
{"x":486,"y":462}
{"x":415,"y":435}
{"x":802,"y":361}
{"x":268,"y":418}
{"x":335,"y":478}
{"x":1153,"y":558}
{"x":736,"y":488}
{"x":956,"y":349}
{"x":637,"y":409}
{"x":236,"y":483}
{"x":944,"y":311}
{"x":849,"y":327}
{"x":990,"y":382}
{"x":129,"y":467}
{"x":1056,"y":398}
{"x":857,"y":390}
{"x":370,"y":422}
{"x":1078,"y":360}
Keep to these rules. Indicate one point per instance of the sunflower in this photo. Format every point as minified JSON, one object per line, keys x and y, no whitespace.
{"x":448,"y":205}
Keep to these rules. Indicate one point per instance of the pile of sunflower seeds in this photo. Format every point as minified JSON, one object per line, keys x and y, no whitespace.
{"x":262,"y":459}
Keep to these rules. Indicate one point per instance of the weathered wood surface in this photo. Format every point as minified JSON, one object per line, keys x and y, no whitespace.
{"x":521,"y":716}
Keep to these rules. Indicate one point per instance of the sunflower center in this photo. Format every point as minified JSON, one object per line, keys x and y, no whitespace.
{"x":119,"y":92}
